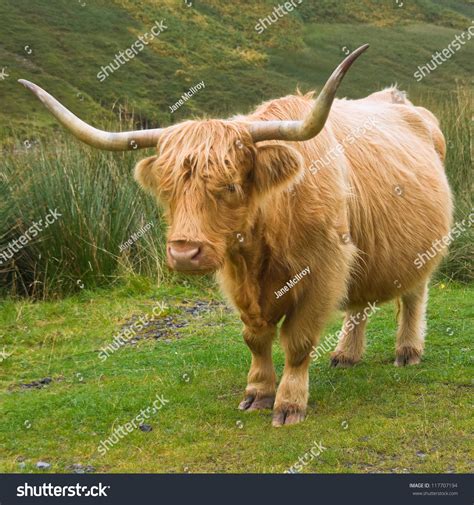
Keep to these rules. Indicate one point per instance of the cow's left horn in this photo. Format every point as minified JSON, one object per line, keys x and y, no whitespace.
{"x":313,"y":123}
{"x":110,"y":141}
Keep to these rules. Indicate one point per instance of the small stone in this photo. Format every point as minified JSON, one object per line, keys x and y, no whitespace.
{"x":421,"y":454}
{"x":43,"y":465}
{"x":78,"y":468}
{"x":146,"y":427}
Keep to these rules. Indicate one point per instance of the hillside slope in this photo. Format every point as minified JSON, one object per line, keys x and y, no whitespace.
{"x":62,"y":45}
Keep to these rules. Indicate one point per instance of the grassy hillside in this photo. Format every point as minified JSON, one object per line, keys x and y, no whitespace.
{"x":62,"y":45}
{"x":215,"y":42}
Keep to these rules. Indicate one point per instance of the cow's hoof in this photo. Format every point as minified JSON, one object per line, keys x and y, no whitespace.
{"x":255,"y":402}
{"x":340,"y":360}
{"x":407,"y":356}
{"x":285,"y":416}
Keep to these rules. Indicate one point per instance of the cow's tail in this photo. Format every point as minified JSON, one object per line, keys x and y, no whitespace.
{"x":398,"y":96}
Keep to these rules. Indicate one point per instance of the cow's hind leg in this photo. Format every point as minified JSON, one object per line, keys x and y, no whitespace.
{"x":261,"y":380}
{"x":412,"y":327}
{"x":351,"y":343}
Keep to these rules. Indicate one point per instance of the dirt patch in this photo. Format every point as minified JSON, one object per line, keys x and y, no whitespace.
{"x":168,"y":328}
{"x":41,"y":383}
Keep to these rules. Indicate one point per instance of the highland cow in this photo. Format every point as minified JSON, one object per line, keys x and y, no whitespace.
{"x":300,"y":186}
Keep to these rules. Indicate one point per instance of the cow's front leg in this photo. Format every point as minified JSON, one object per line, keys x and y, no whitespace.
{"x":261,"y":380}
{"x":300,"y":331}
{"x":292,"y":396}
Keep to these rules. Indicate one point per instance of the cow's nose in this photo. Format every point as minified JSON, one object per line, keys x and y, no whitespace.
{"x":184,"y":255}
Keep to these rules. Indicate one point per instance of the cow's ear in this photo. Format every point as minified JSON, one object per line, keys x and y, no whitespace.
{"x":145,"y":174}
{"x":276,"y":166}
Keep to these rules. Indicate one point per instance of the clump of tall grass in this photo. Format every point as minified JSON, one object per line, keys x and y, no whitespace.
{"x":455,"y":114}
{"x":101,"y":207}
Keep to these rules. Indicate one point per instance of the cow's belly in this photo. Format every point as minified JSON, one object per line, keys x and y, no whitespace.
{"x":400,"y":239}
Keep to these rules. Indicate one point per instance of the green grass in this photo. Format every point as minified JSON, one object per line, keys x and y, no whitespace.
{"x":372,"y":418}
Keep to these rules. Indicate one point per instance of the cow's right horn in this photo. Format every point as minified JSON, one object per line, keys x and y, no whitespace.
{"x":110,"y":141}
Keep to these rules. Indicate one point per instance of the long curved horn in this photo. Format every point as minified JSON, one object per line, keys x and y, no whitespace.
{"x":110,"y":141}
{"x":313,"y":123}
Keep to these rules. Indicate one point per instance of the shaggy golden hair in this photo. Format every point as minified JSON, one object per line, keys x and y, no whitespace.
{"x":354,"y":205}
